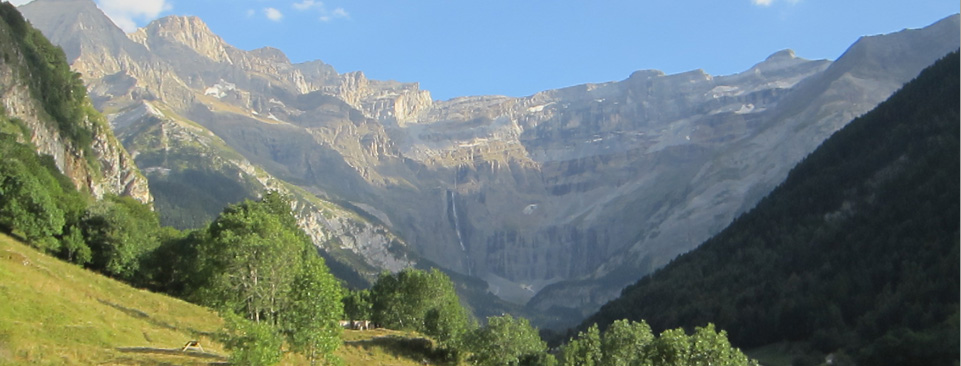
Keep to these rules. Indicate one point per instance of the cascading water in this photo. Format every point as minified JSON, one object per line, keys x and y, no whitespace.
{"x":460,"y":239}
{"x":453,"y":206}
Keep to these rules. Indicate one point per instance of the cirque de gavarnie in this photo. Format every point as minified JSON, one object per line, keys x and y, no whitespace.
{"x":557,"y":200}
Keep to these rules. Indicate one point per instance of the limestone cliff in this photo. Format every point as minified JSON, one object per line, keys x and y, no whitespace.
{"x":195,"y":174}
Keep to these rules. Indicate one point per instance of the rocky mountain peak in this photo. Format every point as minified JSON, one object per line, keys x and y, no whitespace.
{"x":187,"y":31}
{"x":914,"y":47}
{"x":180,"y":23}
{"x":74,"y":25}
{"x":777,"y":62}
{"x":645,"y":74}
{"x":69,"y":4}
{"x":785,"y":54}
{"x":271,"y":54}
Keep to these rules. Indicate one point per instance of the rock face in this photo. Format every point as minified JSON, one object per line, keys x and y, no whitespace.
{"x":104,"y":168}
{"x":571,"y":192}
{"x":151,"y":79}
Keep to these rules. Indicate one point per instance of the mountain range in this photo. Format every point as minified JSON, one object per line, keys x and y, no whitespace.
{"x":557,"y":200}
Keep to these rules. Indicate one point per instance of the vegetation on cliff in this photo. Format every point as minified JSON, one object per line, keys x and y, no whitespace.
{"x":60,"y":90}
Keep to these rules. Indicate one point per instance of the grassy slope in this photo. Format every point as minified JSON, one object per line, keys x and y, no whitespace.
{"x":54,"y":313}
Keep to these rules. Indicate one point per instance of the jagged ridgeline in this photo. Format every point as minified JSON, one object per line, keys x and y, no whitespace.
{"x":855,"y":254}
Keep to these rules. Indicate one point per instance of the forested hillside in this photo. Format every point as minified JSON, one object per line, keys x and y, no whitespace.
{"x":855,"y":254}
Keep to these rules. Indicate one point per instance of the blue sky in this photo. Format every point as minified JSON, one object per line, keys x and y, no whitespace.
{"x":517,"y":48}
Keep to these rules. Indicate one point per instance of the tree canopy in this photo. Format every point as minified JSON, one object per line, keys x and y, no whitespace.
{"x":632,"y":343}
{"x":423,"y":301}
{"x":505,"y":340}
{"x":254,"y":261}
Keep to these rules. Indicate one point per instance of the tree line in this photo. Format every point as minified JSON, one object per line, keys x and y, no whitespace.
{"x":425,"y":301}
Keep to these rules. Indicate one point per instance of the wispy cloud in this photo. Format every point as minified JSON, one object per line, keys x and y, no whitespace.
{"x":769,"y":2}
{"x":273,"y":14}
{"x":340,"y":13}
{"x":307,"y":4}
{"x":125,"y":13}
{"x":325,"y":15}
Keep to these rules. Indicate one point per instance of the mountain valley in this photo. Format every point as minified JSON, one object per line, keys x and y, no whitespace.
{"x":557,"y":200}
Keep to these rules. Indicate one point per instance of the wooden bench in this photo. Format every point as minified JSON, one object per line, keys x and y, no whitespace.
{"x":194,"y":345}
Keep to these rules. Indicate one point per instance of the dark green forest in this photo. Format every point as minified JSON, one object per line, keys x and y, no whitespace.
{"x":855,"y":254}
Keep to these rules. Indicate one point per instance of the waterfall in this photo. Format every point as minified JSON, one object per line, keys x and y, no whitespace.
{"x":453,"y":205}
{"x":460,"y":238}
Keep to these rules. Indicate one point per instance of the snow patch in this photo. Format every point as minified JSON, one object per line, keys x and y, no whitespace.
{"x":725,"y":91}
{"x":530,"y":209}
{"x":219,"y":90}
{"x":745,"y":108}
{"x":538,"y":108}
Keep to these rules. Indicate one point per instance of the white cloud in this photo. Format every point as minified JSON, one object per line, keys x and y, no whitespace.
{"x":19,"y":2}
{"x":126,"y":13}
{"x":307,"y":4}
{"x":325,"y":15}
{"x":340,"y":13}
{"x":273,"y":14}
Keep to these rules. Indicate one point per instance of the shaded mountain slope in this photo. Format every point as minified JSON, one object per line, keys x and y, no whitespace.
{"x":856,"y":251}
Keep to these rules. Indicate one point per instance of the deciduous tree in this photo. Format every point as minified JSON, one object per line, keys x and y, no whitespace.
{"x":504,"y":341}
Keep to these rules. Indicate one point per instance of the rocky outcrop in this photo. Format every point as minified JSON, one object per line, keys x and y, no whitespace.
{"x":107,"y":170}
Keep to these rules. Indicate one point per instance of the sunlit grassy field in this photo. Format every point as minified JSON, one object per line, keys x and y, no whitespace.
{"x":52,"y":312}
{"x":56,"y":313}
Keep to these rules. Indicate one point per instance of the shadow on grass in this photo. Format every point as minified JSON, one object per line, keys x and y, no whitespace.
{"x":417,"y":349}
{"x":142,"y":315}
{"x":172,"y":352}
